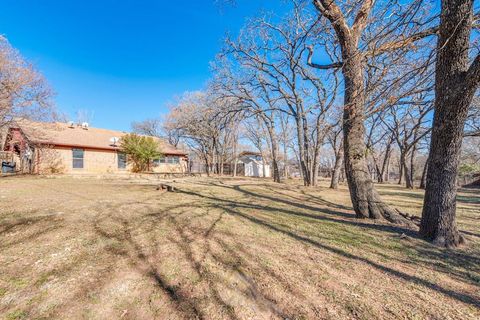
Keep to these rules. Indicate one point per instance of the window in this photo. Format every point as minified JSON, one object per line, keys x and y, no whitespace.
{"x":173,"y":159}
{"x":122,"y":160}
{"x":77,"y":155}
{"x":169,"y":159}
{"x":156,"y":162}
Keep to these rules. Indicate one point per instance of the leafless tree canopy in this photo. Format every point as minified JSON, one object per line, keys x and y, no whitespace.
{"x":24,"y":92}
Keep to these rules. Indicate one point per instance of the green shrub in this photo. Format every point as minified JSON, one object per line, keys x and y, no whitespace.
{"x":141,"y":150}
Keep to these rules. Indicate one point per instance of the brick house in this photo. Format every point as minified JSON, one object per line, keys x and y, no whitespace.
{"x":41,"y":147}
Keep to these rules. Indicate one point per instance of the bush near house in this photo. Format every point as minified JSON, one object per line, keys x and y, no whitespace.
{"x":141,"y":150}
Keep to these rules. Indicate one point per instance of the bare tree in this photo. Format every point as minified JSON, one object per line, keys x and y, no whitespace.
{"x":275,"y":52}
{"x":408,"y":126}
{"x":158,"y":127}
{"x":335,"y":138}
{"x":286,"y":138}
{"x":362,"y":37}
{"x":24,"y":92}
{"x":197,"y":121}
{"x":149,"y":127}
{"x":251,"y":98}
{"x":456,"y":81}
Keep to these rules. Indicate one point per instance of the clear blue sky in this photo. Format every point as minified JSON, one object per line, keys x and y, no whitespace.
{"x":123,"y":60}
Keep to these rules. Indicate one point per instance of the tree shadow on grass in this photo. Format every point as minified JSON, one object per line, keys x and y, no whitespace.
{"x":231,"y":207}
{"x":134,"y":253}
{"x":181,"y":236}
{"x":28,"y":228}
{"x":8,"y":225}
{"x":346,"y":218}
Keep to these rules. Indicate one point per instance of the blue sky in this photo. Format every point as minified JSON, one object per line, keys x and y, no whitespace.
{"x":123,"y":60}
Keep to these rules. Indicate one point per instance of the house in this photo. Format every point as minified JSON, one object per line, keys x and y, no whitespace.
{"x":41,"y":147}
{"x":251,"y":164}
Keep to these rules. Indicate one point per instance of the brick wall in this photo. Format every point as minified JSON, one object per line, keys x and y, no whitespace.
{"x":59,"y":160}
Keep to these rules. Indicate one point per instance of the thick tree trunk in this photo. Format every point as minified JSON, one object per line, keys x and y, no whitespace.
{"x":455,"y":85}
{"x":337,"y":169}
{"x":365,"y":199}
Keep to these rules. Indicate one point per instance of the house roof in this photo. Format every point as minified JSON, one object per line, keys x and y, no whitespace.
{"x":249,"y":153}
{"x":62,"y":134}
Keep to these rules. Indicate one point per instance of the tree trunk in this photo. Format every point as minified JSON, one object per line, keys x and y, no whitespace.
{"x":401,"y":166}
{"x":235,"y":155}
{"x":424,"y":175}
{"x":221,"y":166}
{"x":274,"y":151}
{"x":455,"y":85}
{"x":276,"y":171}
{"x":387,"y":169}
{"x":285,"y":161}
{"x":301,"y":153}
{"x":406,"y":170}
{"x":385,"y":163}
{"x":376,"y":170}
{"x":337,"y":169}
{"x":306,"y":148}
{"x":412,"y":162}
{"x":408,"y":176}
{"x":365,"y":198}
{"x":207,"y":166}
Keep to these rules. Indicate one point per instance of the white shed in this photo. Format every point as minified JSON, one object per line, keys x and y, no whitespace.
{"x":253,"y":165}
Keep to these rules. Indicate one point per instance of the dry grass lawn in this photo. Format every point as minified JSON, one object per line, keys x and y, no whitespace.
{"x":223,"y":249}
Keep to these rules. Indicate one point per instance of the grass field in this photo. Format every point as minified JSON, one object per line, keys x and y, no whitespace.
{"x":223,"y":249}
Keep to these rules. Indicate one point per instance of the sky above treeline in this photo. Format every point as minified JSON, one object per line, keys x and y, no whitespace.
{"x":124,"y":60}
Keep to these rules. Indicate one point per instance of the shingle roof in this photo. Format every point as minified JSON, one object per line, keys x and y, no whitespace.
{"x":61,"y":134}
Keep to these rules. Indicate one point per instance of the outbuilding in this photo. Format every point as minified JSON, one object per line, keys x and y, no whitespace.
{"x":253,"y":164}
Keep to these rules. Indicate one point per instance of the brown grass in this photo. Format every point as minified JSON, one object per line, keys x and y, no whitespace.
{"x":223,"y":249}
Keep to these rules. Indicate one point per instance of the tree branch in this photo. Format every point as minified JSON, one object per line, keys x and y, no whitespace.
{"x":330,"y":10}
{"x":361,"y":18}
{"x":402,"y":43}
{"x":473,"y":74}
{"x":335,"y":65}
